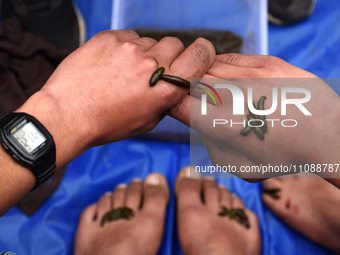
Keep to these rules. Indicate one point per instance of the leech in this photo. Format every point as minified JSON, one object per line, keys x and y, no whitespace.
{"x":224,"y":212}
{"x":240,"y":216}
{"x":116,"y":214}
{"x":235,"y":214}
{"x":247,"y":129}
{"x":274,"y":193}
{"x":260,"y":106}
{"x":159,"y":75}
{"x":259,"y":131}
{"x":156,"y":76}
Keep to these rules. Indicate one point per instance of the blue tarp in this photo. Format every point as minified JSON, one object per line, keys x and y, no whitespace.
{"x":312,"y":44}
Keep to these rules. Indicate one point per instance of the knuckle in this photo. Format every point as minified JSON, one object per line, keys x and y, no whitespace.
{"x":105,"y":36}
{"x":173,"y":40}
{"x":201,"y":52}
{"x":130,"y":46}
{"x":150,"y":62}
{"x":272,"y":62}
{"x":131,"y":32}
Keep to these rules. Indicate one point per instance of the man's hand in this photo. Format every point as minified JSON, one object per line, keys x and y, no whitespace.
{"x":100,"y":93}
{"x":314,"y":140}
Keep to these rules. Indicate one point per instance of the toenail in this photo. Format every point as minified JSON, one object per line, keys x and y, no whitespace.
{"x":189,"y":172}
{"x":153,"y":180}
{"x":108,"y":193}
{"x":121,"y":186}
{"x":222,"y":186}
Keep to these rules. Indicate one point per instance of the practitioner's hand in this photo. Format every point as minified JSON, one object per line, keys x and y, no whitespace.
{"x":314,"y":140}
{"x":100,"y":93}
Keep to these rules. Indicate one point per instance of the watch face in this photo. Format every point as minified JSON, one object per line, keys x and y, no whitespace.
{"x":28,"y":136}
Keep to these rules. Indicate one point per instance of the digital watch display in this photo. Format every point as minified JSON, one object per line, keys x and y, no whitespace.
{"x":29,"y":143}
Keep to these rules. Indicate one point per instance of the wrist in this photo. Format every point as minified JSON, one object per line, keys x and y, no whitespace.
{"x":68,"y":136}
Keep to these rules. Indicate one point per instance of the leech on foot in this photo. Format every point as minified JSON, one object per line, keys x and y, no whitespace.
{"x":274,"y":193}
{"x":116,"y":214}
{"x":159,"y":75}
{"x":259,"y":131}
{"x":235,"y":214}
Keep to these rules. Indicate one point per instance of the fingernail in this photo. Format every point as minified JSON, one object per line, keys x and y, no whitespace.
{"x":121,"y":186}
{"x":222,"y":186}
{"x":152,"y":179}
{"x":108,"y":193}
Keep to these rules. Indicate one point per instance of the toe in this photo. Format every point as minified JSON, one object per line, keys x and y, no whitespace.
{"x":225,"y":196}
{"x":119,"y":195}
{"x":236,"y":202}
{"x":210,"y":193}
{"x":272,"y":183}
{"x":272,"y":192}
{"x":104,"y":205}
{"x":134,"y":194}
{"x":188,"y":189}
{"x":89,"y":214}
{"x":155,"y":194}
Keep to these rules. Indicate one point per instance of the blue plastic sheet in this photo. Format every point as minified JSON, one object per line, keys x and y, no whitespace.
{"x":311,"y":44}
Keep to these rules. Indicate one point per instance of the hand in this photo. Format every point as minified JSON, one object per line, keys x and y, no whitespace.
{"x":314,"y":140}
{"x":100,"y":93}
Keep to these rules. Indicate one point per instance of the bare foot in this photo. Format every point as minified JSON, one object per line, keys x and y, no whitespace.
{"x":142,"y":234}
{"x":309,"y":205}
{"x":201,"y":230}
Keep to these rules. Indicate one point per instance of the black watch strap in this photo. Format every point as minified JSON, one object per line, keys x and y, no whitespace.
{"x":44,"y":167}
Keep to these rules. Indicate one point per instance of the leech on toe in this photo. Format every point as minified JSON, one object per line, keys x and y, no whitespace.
{"x":159,"y":75}
{"x":117,"y":214}
{"x":273,"y":193}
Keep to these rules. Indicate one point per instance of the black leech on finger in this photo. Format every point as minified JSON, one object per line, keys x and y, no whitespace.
{"x":159,"y":75}
{"x":176,"y":81}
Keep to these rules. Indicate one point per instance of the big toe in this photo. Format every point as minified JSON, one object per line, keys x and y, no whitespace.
{"x":156,"y":194}
{"x":188,"y":189}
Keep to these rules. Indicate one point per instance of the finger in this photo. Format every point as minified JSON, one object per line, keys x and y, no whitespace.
{"x":195,"y":60}
{"x":145,"y":42}
{"x":166,"y":50}
{"x":193,"y":118}
{"x":223,"y":70}
{"x":243,"y":60}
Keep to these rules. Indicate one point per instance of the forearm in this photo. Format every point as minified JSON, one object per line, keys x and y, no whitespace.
{"x":16,"y":180}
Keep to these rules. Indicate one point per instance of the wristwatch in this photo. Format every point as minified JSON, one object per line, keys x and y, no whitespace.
{"x":25,"y":139}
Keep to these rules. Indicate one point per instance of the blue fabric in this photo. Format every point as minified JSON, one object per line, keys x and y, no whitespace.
{"x":311,"y":44}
